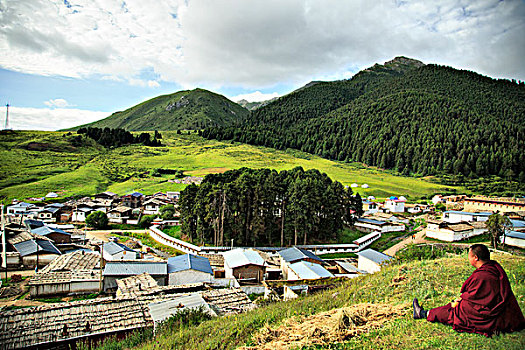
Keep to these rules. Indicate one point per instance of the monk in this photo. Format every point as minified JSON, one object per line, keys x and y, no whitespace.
{"x":486,"y":305}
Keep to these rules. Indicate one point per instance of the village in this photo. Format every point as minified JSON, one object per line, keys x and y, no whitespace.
{"x":102,"y":285}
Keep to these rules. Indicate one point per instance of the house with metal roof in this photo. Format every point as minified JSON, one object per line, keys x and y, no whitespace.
{"x":454,"y":216}
{"x":189,"y":268}
{"x":115,"y":270}
{"x":514,"y":238}
{"x":371,"y":261}
{"x":55,"y":234}
{"x":120,"y":214}
{"x":305,"y":270}
{"x":244,"y":264}
{"x":369,"y":225}
{"x":20,"y":208}
{"x":451,"y":232}
{"x":119,"y":251}
{"x":36,"y":251}
{"x":292,"y":255}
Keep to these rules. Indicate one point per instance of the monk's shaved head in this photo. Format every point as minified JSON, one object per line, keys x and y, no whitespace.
{"x":481,"y":251}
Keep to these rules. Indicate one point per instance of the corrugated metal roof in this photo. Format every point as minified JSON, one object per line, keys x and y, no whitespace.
{"x":162,"y":310}
{"x":294,"y":254}
{"x":34,"y":223}
{"x":45,"y":230}
{"x":240,"y":257}
{"x":517,"y":223}
{"x":375,"y":256}
{"x":189,"y":262}
{"x":371,"y":221}
{"x":129,"y":268}
{"x":349,"y":267}
{"x":113,"y":248}
{"x":467,"y":213}
{"x":306,"y":270}
{"x":32,"y":246}
{"x":516,"y":234}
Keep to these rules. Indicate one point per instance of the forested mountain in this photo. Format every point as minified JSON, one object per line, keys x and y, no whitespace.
{"x":415,"y":118}
{"x":193,"y":109}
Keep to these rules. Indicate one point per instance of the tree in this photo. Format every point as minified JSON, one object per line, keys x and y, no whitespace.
{"x":146,"y":220}
{"x":97,"y":219}
{"x":167,"y":212}
{"x":497,"y":225}
{"x":440,"y":207}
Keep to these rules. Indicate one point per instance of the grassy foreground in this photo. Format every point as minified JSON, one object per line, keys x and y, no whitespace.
{"x":33,"y":163}
{"x":434,"y":282}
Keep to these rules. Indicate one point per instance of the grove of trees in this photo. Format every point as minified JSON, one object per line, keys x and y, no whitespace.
{"x":266,"y":207}
{"x":108,"y":137}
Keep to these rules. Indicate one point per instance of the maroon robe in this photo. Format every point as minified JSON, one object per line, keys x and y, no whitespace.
{"x":487,"y":304}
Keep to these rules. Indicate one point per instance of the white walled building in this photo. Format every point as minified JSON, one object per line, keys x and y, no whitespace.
{"x":453,"y":216}
{"x":189,"y":268}
{"x":395,"y":205}
{"x":371,"y":261}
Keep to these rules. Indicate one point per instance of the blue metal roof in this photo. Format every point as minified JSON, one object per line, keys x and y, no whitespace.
{"x":34,"y":223}
{"x":371,"y":221}
{"x":113,"y":248}
{"x":189,"y":262}
{"x":467,"y":213}
{"x":517,"y":223}
{"x":240,"y":257}
{"x":306,"y":270}
{"x":45,"y":230}
{"x":32,"y":246}
{"x":131,"y":268}
{"x":375,"y":256}
{"x":516,"y":234}
{"x":294,"y":254}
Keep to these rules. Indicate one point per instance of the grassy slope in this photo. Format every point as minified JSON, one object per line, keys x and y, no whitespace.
{"x":90,"y":169}
{"x":433,"y":282}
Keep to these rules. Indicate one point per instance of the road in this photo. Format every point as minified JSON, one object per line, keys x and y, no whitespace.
{"x":103,"y":235}
{"x":419,"y":238}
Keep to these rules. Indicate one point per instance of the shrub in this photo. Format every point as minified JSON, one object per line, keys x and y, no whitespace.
{"x":98,"y":220}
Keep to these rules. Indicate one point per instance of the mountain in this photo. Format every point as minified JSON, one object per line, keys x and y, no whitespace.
{"x":193,"y":109}
{"x":251,"y":106}
{"x":402,"y":115}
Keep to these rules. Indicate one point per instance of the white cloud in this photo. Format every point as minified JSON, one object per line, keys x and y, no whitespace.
{"x":256,"y":44}
{"x":50,"y":119}
{"x":256,"y":96}
{"x":59,"y":103}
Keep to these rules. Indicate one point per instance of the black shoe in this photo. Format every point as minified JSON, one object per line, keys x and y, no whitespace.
{"x":418,"y":310}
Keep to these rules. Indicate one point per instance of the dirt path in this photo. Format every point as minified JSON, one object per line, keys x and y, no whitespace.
{"x":419,"y":238}
{"x":104,"y":235}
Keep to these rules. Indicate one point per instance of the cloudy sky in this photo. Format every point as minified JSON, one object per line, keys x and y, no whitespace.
{"x":70,"y":62}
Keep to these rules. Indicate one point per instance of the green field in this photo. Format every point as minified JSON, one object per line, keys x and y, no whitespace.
{"x":34,"y":163}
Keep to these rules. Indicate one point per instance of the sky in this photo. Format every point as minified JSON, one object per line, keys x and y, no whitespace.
{"x":70,"y":62}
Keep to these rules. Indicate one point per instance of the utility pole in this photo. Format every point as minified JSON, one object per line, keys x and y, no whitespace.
{"x":4,"y":248}
{"x":101,"y":266}
{"x":7,"y":116}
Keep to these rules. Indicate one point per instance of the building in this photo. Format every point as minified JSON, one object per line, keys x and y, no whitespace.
{"x":115,"y":270}
{"x":371,"y":261}
{"x":80,"y":214}
{"x":305,"y":270}
{"x":118,"y":251}
{"x":502,"y":205}
{"x":369,"y":207}
{"x":60,"y":324}
{"x":292,"y":255}
{"x":57,"y":235}
{"x":454,"y":216}
{"x":370,"y":225}
{"x":450,"y":232}
{"x":36,"y":251}
{"x":152,"y":206}
{"x":514,"y":238}
{"x":21,"y":208}
{"x":120,"y":214}
{"x":189,"y":268}
{"x":395,"y":205}
{"x":106,"y":196}
{"x":244,"y":264}
{"x":133,"y":200}
{"x":390,"y":218}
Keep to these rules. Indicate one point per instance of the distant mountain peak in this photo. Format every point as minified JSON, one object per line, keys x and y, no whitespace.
{"x":400,"y":64}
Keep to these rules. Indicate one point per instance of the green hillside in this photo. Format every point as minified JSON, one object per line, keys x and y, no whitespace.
{"x":189,"y":110}
{"x":35,"y":163}
{"x":413,"y":118}
{"x":433,"y":282}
